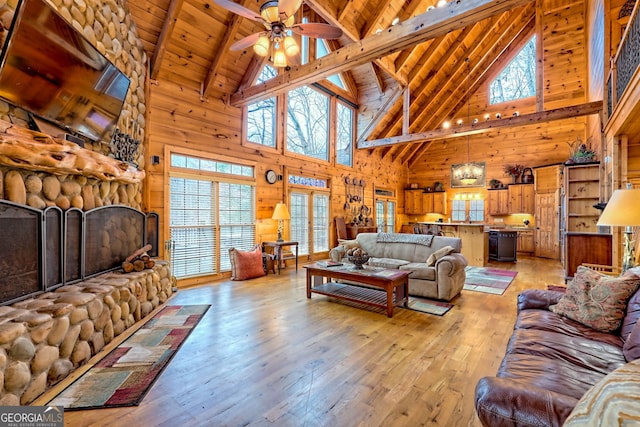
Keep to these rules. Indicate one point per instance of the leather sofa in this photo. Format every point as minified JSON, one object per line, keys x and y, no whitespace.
{"x":551,"y":362}
{"x":444,"y":280}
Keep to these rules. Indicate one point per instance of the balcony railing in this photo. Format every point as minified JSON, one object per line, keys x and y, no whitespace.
{"x":624,"y":65}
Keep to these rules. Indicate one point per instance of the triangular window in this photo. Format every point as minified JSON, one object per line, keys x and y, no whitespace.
{"x":323,"y":50}
{"x":518,"y":79}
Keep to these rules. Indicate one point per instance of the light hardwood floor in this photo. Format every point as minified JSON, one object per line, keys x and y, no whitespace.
{"x":265,"y":355}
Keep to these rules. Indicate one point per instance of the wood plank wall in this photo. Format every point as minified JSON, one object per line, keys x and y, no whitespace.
{"x":565,"y":77}
{"x":180,"y":120}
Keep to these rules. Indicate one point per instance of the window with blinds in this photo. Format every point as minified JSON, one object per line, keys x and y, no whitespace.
{"x":192,"y":227}
{"x":207,"y":218}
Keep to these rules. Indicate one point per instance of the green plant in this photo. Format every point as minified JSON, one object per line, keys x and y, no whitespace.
{"x":580,"y":151}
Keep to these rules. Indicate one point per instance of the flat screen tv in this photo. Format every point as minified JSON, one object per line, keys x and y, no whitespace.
{"x":50,"y":69}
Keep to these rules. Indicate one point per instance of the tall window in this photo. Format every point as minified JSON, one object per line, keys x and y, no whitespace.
{"x":385,"y":216}
{"x":308,"y":123}
{"x":207,"y":216}
{"x":261,"y":115}
{"x":518,"y":79}
{"x":320,"y":223}
{"x":299,"y":212}
{"x":344,"y":135}
{"x":310,"y":221}
{"x":192,"y":227}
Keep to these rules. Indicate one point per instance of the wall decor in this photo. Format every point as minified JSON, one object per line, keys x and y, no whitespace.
{"x":457,"y":171}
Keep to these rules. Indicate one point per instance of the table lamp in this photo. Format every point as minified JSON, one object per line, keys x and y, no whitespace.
{"x":280,"y":213}
{"x":623,"y":210}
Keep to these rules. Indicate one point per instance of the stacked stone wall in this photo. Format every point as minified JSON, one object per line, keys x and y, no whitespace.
{"x":40,"y":190}
{"x":44,"y":339}
{"x":108,"y":25}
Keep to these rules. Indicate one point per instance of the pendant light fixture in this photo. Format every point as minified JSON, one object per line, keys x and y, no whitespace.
{"x":468,"y":173}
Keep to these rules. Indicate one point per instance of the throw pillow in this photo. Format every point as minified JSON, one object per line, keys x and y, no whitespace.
{"x":597,"y":300}
{"x":613,"y":401}
{"x":436,"y":255}
{"x":246,"y":264}
{"x":349,"y":244}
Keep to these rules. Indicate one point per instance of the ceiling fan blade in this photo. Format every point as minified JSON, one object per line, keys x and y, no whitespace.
{"x":286,"y":8}
{"x":317,"y":30}
{"x":239,"y":10}
{"x":247,"y":41}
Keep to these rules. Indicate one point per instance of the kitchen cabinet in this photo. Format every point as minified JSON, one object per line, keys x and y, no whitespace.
{"x":521,"y":198}
{"x":525,"y":241}
{"x":434,"y":203}
{"x":413,"y":202}
{"x":498,"y":202}
{"x":418,"y":202}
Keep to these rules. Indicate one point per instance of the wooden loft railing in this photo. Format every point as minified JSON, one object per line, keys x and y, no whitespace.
{"x":625,"y":70}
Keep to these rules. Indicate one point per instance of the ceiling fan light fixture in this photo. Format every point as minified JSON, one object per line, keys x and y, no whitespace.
{"x":290,"y":21}
{"x":269,"y":11}
{"x":262,"y":46}
{"x":279,"y":58}
{"x":441,"y":3}
{"x":290,"y":46}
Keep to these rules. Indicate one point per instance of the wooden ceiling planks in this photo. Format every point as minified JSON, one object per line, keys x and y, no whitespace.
{"x":196,"y":54}
{"x":416,"y":30}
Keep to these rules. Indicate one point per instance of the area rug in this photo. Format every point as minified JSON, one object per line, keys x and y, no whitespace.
{"x":127,"y":373}
{"x":425,"y":305}
{"x":488,"y":280}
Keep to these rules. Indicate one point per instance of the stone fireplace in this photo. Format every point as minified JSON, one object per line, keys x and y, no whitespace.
{"x":42,"y":250}
{"x":69,"y":217}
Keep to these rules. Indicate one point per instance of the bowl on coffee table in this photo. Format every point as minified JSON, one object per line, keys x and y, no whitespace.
{"x":358,"y":260}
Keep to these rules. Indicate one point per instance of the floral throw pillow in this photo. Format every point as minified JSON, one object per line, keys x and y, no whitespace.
{"x":597,"y":300}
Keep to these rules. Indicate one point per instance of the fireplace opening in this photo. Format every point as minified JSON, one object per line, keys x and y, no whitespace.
{"x":42,"y":250}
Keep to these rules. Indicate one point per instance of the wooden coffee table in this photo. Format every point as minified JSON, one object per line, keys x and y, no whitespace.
{"x":371,"y":286}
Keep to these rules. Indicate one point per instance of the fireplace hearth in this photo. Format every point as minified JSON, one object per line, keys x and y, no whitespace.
{"x":41,"y":250}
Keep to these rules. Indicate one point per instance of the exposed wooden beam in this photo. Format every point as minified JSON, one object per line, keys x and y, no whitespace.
{"x":229,"y":38}
{"x":454,"y":15}
{"x":337,"y":19}
{"x":508,"y":38}
{"x":377,"y":77}
{"x":165,"y":35}
{"x":406,"y":110}
{"x":381,"y":9}
{"x":586,"y":109}
{"x":393,"y":97}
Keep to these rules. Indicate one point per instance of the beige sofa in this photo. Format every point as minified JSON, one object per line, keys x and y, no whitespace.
{"x":443,"y":281}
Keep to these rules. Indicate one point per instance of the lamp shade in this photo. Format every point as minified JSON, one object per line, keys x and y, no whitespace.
{"x":280,"y":212}
{"x":269,"y":11}
{"x":279,"y":58}
{"x":623,"y":209}
{"x":262,"y":46}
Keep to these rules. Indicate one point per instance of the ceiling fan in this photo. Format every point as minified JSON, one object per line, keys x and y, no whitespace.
{"x":278,"y":17}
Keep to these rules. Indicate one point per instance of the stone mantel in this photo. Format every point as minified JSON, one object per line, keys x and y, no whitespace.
{"x":25,"y":149}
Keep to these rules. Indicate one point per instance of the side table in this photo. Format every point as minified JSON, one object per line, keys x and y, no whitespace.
{"x":277,"y":251}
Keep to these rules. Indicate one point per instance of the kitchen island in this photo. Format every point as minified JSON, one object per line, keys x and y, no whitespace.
{"x":474,"y":239}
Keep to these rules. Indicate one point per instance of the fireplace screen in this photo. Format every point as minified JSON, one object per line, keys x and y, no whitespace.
{"x":42,"y":250}
{"x":19,"y":251}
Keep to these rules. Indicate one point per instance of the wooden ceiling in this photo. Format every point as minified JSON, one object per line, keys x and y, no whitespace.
{"x":413,"y":88}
